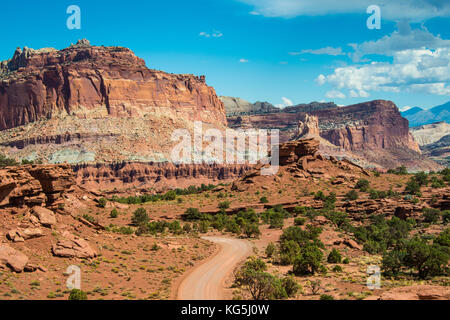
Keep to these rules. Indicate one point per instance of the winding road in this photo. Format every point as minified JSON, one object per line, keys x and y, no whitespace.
{"x":207,"y":281}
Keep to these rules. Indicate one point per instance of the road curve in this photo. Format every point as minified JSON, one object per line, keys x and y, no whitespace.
{"x":207,"y":281}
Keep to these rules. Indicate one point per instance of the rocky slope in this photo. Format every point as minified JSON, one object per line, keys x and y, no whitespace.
{"x":237,"y":106}
{"x":374,"y":131}
{"x":95,"y":104}
{"x":430,"y":133}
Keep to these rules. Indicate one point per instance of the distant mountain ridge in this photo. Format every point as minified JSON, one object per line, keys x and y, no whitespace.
{"x":418,"y":116}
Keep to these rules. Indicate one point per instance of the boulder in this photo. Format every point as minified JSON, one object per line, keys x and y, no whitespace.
{"x":46,"y":217}
{"x":12,"y":258}
{"x":353,"y":244}
{"x":71,"y":246}
{"x":21,"y":234}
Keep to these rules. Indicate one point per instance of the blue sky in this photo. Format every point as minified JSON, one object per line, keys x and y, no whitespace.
{"x":279,"y":51}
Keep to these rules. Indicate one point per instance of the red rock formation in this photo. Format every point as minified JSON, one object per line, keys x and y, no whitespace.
{"x":374,"y":130}
{"x":159,"y":176}
{"x":35,"y":185}
{"x":92,"y":82}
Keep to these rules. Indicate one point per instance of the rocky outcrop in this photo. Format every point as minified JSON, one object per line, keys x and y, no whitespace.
{"x":374,"y":130}
{"x":12,"y":258}
{"x":159,"y":176}
{"x":97,"y":104}
{"x":237,"y":106}
{"x":300,"y":160}
{"x":70,"y":246}
{"x":35,"y":185}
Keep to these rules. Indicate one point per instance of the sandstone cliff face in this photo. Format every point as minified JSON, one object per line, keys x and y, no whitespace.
{"x":374,"y":131}
{"x":91,"y":82}
{"x":158,"y":176}
{"x":97,"y":104}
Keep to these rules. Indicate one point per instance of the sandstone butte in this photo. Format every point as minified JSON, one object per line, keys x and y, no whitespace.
{"x":97,"y":104}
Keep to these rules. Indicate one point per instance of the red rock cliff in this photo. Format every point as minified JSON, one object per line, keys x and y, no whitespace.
{"x":91,"y":82}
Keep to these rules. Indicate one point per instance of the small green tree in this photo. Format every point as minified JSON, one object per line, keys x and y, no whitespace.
{"x":140,"y":217}
{"x":270,"y":250}
{"x":334,"y":256}
{"x":102,"y":202}
{"x":308,"y":261}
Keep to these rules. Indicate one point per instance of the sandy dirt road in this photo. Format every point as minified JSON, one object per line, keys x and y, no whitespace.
{"x":207,"y":281}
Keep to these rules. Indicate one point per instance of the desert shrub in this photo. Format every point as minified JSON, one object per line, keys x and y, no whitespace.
{"x":270,"y":250}
{"x":263,"y":200}
{"x":169,"y":195}
{"x":299,"y":221}
{"x":330,"y":201}
{"x":319,"y":195}
{"x":443,"y":239}
{"x":203,"y":226}
{"x":431,"y":215}
{"x":363,"y":185}
{"x":140,"y":217}
{"x":393,"y":261}
{"x":352,"y":195}
{"x":290,"y":286}
{"x":7,"y":162}
{"x":288,"y":251}
{"x":233,"y":227}
{"x":308,"y":261}
{"x":337,"y":268}
{"x":224,"y":205}
{"x":89,"y":218}
{"x":77,"y":294}
{"x":381,"y":234}
{"x":334,"y":256}
{"x":437,"y":183}
{"x":192,"y":214}
{"x":428,"y":260}
{"x":412,"y":187}
{"x":187,"y":228}
{"x":399,"y":170}
{"x":114,"y":213}
{"x":300,"y":211}
{"x":102,"y":202}
{"x":421,"y":178}
{"x":446,"y":216}
{"x":337,"y":217}
{"x":302,"y":237}
{"x":175,"y":227}
{"x":377,"y":194}
{"x":326,"y":297}
{"x":345,"y":261}
{"x":274,"y":218}
{"x":251,"y":230}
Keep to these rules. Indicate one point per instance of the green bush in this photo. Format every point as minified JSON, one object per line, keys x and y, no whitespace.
{"x":363,"y":185}
{"x":431,"y":215}
{"x":299,"y":221}
{"x":399,"y":170}
{"x":352,"y":195}
{"x":326,"y":297}
{"x":412,"y":187}
{"x":251,"y":230}
{"x":77,"y":294}
{"x":337,"y":268}
{"x":224,"y":205}
{"x":308,"y":261}
{"x":192,"y":214}
{"x":140,"y":217}
{"x":334,"y":256}
{"x":7,"y":162}
{"x":270,"y":250}
{"x":263,"y":200}
{"x":102,"y":202}
{"x":114,"y":213}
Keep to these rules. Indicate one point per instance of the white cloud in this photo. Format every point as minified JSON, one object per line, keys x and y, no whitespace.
{"x":327,"y":51}
{"x":403,"y":39}
{"x":243,"y":60}
{"x":335,"y":94}
{"x":392,"y":10}
{"x":286,"y":103}
{"x":413,"y":70}
{"x":214,"y":34}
